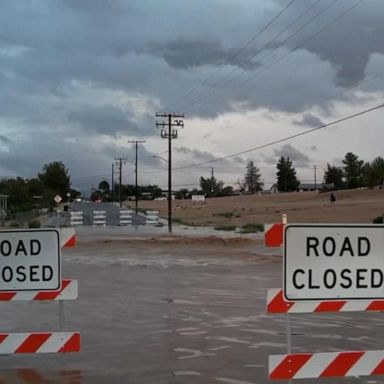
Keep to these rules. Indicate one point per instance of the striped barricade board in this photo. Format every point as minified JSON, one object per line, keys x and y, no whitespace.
{"x":125,"y":217}
{"x":276,"y":303}
{"x":325,"y":365}
{"x":151,"y":217}
{"x":77,"y":218}
{"x":44,"y":342}
{"x":99,"y":218}
{"x":69,"y":291}
{"x":39,"y":342}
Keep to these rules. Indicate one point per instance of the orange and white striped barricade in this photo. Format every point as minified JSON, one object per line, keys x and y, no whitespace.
{"x":326,"y":365}
{"x":39,"y":342}
{"x":44,"y":342}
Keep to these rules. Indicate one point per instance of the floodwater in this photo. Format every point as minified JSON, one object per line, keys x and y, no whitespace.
{"x":153,"y":311}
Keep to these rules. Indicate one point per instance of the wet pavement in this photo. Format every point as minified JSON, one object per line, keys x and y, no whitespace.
{"x":166,"y":312}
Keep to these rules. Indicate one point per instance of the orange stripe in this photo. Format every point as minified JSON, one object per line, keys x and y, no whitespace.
{"x":379,"y":370}
{"x":342,"y":364}
{"x":31,"y":376}
{"x":3,"y":336}
{"x":376,"y":305}
{"x":330,"y":306}
{"x":71,"y":242}
{"x":51,"y":295}
{"x":274,"y":236}
{"x":72,"y":345}
{"x":278,"y":304}
{"x":288,"y":368}
{"x":7,"y":296}
{"x":33,"y":342}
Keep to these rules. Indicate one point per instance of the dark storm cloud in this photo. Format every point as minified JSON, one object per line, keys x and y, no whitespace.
{"x":184,"y":54}
{"x":5,"y":139}
{"x":299,"y":159}
{"x":105,"y":120}
{"x":309,"y":120}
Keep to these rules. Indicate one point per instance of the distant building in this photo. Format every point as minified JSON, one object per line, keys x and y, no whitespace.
{"x":309,"y":187}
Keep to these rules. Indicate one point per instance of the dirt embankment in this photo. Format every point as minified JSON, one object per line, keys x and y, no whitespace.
{"x":351,"y":206}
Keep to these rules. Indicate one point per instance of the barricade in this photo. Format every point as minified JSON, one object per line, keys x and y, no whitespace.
{"x":76,"y":218}
{"x":151,"y":217}
{"x":99,"y":218}
{"x":44,"y":342}
{"x":323,"y":364}
{"x":126,"y":217}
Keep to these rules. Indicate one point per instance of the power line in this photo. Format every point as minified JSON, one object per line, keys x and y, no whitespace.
{"x":283,"y":139}
{"x":247,"y":80}
{"x":217,"y":85}
{"x":233,"y":56}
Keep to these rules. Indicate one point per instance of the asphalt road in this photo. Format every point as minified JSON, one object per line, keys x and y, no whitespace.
{"x":158,"y":313}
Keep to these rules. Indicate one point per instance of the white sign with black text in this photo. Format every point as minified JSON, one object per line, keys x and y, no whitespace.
{"x":30,"y":260}
{"x":333,"y":262}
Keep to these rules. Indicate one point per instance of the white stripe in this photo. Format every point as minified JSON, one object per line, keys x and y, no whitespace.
{"x":274,"y":361}
{"x":12,"y":342}
{"x":316,"y":365}
{"x":70,"y":292}
{"x":65,"y":235}
{"x":25,"y":295}
{"x":304,"y":307}
{"x":366,"y":364}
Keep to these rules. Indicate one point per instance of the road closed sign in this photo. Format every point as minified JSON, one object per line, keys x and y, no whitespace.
{"x":333,"y":262}
{"x":30,"y":260}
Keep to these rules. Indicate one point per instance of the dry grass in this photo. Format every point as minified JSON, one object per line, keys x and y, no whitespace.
{"x":352,"y":206}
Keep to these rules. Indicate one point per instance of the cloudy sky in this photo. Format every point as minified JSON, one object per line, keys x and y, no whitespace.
{"x":80,"y":78}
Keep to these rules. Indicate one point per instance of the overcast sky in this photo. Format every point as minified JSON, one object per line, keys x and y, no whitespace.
{"x":80,"y":78}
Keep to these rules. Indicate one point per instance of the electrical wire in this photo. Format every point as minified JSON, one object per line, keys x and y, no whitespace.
{"x":282,"y":139}
{"x":300,"y":45}
{"x":233,"y":56}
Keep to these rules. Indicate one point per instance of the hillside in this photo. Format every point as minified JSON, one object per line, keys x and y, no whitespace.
{"x":352,"y":206}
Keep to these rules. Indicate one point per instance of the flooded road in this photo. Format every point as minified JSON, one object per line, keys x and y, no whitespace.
{"x":182,"y":310}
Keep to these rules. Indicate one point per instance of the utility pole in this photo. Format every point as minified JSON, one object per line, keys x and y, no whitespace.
{"x":212,"y":178}
{"x":136,"y":142}
{"x":113,"y":171}
{"x":119,"y":163}
{"x":314,"y":167}
{"x":169,"y":120}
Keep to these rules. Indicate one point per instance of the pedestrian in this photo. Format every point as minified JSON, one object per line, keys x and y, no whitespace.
{"x":332,"y":198}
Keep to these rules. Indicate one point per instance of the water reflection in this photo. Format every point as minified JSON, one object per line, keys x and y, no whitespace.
{"x":36,"y":376}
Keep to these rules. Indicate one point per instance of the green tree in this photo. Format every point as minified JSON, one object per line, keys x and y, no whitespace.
{"x":352,"y":170}
{"x":210,"y":186}
{"x":55,"y":180}
{"x":286,"y":175}
{"x":334,"y":176}
{"x":252,"y":182}
{"x":104,"y":187}
{"x":373,"y":173}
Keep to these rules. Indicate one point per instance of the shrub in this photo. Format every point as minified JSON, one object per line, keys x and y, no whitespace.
{"x":14,"y":224}
{"x":224,"y":214}
{"x":34,"y":224}
{"x":225,"y":228}
{"x":252,"y":228}
{"x":378,"y":220}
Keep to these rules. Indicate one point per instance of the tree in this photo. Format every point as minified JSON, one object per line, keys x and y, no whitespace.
{"x":373,"y":173}
{"x":252,"y":183}
{"x":55,"y":179}
{"x":211,"y":186}
{"x":352,"y":170}
{"x":286,"y":175}
{"x":104,"y":186}
{"x":334,"y":176}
